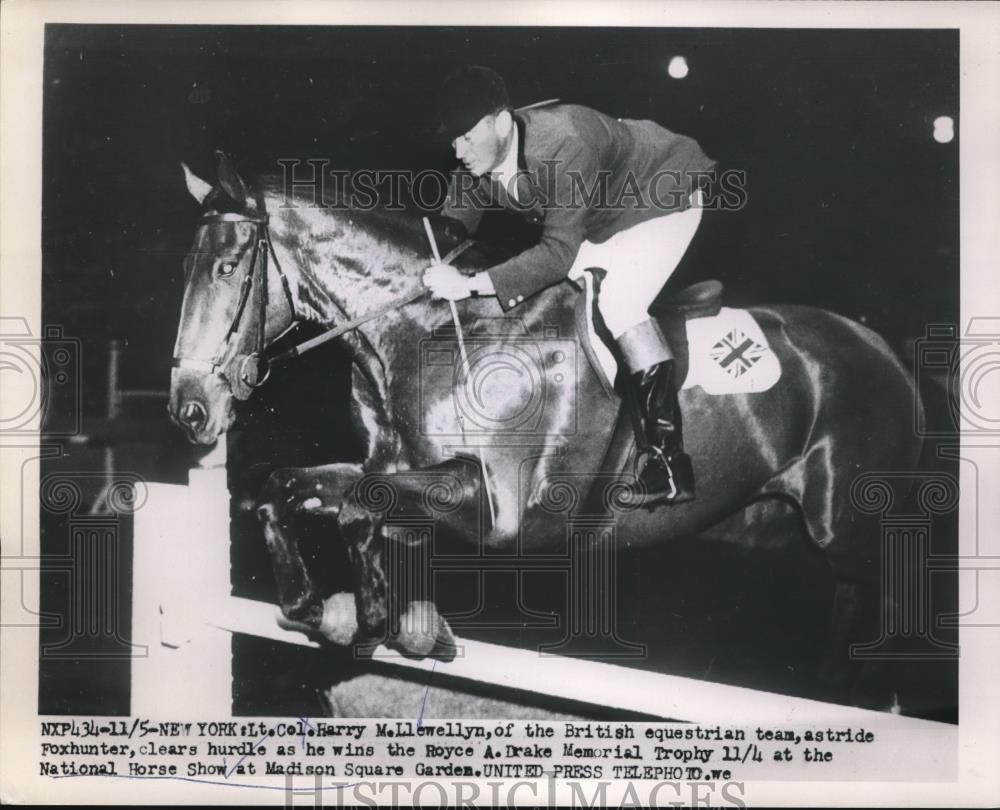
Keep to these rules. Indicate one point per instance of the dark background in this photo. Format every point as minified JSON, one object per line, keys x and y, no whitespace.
{"x":852,"y":205}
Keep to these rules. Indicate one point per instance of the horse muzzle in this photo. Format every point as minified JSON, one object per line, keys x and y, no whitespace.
{"x":201,"y":405}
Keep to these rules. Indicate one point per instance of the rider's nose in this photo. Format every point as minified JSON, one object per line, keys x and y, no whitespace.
{"x":193,"y":415}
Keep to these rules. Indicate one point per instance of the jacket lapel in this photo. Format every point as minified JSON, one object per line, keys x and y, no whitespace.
{"x":527,"y":187}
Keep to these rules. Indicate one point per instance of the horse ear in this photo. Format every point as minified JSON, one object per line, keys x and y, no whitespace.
{"x":231,"y":182}
{"x":199,"y":188}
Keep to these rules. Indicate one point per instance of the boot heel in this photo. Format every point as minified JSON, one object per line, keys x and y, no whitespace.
{"x":666,"y":479}
{"x":682,"y":478}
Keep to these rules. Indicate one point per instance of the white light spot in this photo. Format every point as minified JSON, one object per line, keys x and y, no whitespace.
{"x":944,"y":129}
{"x":312,"y":503}
{"x":678,"y":67}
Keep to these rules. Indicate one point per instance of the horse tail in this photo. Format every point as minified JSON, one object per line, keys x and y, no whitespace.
{"x":893,"y":360}
{"x":859,"y":394}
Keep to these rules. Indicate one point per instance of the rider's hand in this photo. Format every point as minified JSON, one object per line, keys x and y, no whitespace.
{"x":447,"y":282}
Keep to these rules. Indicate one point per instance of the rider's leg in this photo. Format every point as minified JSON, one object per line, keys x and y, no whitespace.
{"x":639,"y":261}
{"x":652,"y":393}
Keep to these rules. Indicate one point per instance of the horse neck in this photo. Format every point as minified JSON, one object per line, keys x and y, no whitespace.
{"x":344,"y":267}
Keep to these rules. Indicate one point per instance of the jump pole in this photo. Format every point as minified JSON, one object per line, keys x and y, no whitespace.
{"x":185,"y":616}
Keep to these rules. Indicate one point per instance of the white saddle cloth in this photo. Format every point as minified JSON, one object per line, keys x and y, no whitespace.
{"x":727,"y":353}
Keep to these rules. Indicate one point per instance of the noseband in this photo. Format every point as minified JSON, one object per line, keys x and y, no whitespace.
{"x":263,"y":252}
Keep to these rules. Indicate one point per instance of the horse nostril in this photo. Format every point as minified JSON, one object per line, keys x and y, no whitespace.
{"x":193,"y":415}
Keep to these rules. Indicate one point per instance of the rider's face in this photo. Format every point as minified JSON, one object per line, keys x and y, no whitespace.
{"x":483,"y":147}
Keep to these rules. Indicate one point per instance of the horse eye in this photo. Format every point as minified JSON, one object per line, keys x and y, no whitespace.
{"x":226,"y":269}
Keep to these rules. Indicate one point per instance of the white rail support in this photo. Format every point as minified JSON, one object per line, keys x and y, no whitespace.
{"x":180,"y":568}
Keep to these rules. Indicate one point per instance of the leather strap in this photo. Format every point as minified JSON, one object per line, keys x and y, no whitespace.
{"x":354,"y":323}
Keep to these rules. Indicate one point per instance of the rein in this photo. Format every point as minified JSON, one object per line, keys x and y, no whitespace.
{"x":337,"y":331}
{"x":263,"y":253}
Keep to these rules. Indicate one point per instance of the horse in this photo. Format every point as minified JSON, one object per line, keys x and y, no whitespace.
{"x":505,"y":454}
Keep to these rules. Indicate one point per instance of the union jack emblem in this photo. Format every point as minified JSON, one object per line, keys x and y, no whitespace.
{"x":737,"y":353}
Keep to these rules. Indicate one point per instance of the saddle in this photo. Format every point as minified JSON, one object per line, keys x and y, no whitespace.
{"x":700,"y":300}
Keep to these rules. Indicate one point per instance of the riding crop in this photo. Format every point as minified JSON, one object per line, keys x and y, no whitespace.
{"x":465,"y":374}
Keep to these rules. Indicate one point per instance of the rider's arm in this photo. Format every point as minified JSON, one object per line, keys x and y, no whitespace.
{"x":564,"y":230}
{"x":481,"y":284}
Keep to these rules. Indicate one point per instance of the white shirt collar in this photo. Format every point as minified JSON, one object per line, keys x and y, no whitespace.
{"x":506,"y":172}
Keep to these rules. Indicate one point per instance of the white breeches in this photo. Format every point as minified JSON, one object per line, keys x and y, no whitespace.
{"x":638,"y":262}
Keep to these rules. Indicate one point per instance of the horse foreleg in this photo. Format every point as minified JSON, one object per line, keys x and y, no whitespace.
{"x":385,"y":615}
{"x":290,"y":494}
{"x":361,"y":530}
{"x":443,"y":498}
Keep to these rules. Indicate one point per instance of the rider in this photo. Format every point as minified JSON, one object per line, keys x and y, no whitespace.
{"x":618,"y":194}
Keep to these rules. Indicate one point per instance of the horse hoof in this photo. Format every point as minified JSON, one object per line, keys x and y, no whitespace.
{"x":296,"y":626}
{"x":446,"y":648}
{"x":340,"y":619}
{"x":419,"y":627}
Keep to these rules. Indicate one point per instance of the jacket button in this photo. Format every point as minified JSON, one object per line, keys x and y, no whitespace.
{"x":520,"y":298}
{"x":511,"y":302}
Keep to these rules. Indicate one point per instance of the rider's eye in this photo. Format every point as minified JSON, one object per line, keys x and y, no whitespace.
{"x":226,"y":269}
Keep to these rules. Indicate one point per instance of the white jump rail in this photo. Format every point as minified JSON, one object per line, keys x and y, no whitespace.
{"x":184,"y":615}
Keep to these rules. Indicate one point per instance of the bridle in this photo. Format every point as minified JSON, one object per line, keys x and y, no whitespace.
{"x":263,"y":253}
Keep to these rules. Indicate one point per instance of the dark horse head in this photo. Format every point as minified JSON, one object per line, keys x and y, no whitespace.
{"x":226,"y":319}
{"x":263,"y":261}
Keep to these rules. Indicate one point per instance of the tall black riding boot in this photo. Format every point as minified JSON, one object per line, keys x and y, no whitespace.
{"x":667,"y":470}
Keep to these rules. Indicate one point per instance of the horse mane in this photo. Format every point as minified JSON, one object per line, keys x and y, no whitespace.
{"x":402,"y":227}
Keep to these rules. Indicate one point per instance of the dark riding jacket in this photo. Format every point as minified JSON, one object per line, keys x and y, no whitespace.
{"x":584,"y":176}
